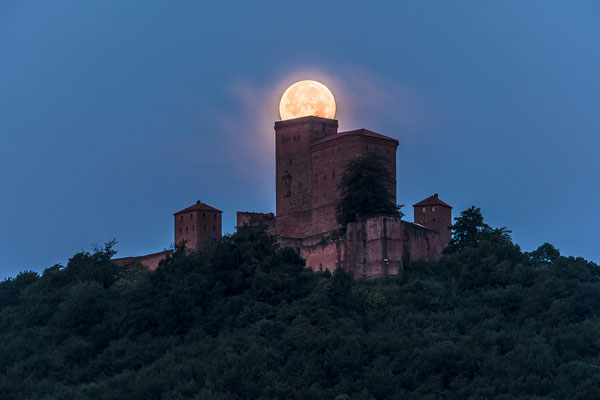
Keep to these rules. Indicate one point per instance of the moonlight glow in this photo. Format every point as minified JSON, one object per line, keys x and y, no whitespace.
{"x":306,"y":98}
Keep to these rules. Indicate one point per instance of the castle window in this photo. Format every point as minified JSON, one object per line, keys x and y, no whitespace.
{"x":191,"y":216}
{"x":182,"y":218}
{"x":214,"y":217}
{"x":186,"y":229}
{"x":290,"y":161}
{"x":432,"y":208}
{"x":333,"y":174}
{"x":299,"y":185}
{"x":204,"y":227}
{"x":204,"y":215}
{"x":214,"y":228}
{"x":193,"y":226}
{"x":423,"y":209}
{"x":180,"y":231}
{"x":434,"y":220}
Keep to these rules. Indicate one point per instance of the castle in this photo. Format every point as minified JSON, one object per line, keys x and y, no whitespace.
{"x":310,"y":159}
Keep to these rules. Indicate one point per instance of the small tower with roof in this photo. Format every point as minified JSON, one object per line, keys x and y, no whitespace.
{"x":196,"y":224}
{"x":434,"y":214}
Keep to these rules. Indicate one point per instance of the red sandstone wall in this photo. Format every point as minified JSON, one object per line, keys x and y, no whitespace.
{"x":196,"y":227}
{"x":375,"y":246}
{"x":372,"y":248}
{"x":329,"y":161}
{"x":437,"y":218}
{"x":293,"y":170}
{"x":149,"y":261}
{"x":420,"y":243}
{"x":256,"y":219}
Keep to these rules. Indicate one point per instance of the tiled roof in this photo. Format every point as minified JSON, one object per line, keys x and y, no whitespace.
{"x":199,"y":206}
{"x":432,"y":201}
{"x":357,"y":132}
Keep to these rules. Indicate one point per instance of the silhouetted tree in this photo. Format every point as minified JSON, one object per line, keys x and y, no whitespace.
{"x":364,"y":190}
{"x":470,"y":231}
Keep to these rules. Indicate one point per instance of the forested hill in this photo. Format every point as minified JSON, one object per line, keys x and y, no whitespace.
{"x":243,"y":320}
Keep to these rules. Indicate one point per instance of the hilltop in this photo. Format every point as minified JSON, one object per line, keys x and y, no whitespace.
{"x":242,"y":319}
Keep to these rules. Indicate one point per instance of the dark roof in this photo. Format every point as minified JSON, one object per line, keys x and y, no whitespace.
{"x":357,"y":132}
{"x":199,"y":206}
{"x":431,"y":201}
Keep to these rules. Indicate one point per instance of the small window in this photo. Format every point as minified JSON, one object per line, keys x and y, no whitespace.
{"x":434,"y":220}
{"x":191,"y":216}
{"x":204,"y":215}
{"x":214,"y":217}
{"x":186,"y":229}
{"x":214,"y":228}
{"x":182,"y":218}
{"x":180,"y":231}
{"x":290,"y":161}
{"x":423,"y":209}
{"x":432,"y":208}
{"x":205,"y":227}
{"x":333,"y":174}
{"x":299,"y":185}
{"x":193,"y":227}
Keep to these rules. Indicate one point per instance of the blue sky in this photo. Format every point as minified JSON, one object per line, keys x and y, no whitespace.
{"x":114,"y":115}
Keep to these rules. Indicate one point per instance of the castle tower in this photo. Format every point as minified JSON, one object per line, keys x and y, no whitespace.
{"x":196,"y":224}
{"x":436,"y":215}
{"x":293,"y":170}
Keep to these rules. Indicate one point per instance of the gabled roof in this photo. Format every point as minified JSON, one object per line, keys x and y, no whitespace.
{"x":199,"y":206}
{"x":357,"y":132}
{"x":432,"y":201}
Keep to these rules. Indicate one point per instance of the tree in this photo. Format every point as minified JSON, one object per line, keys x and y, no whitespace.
{"x":470,"y":230}
{"x":364,"y":190}
{"x":545,"y":254}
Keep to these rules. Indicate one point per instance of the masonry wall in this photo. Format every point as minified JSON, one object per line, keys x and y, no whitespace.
{"x":256,"y":219}
{"x":375,"y":247}
{"x":329,"y":161}
{"x":420,"y":243}
{"x":197,"y":226}
{"x":149,"y":261}
{"x":293,"y":171}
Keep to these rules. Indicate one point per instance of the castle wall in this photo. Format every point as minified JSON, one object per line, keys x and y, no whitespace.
{"x":329,"y":160}
{"x":256,"y":219}
{"x":420,"y":243}
{"x":375,"y":246}
{"x":149,"y":261}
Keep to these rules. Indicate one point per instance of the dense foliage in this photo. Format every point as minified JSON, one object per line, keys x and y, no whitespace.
{"x":364,"y":190}
{"x":243,"y":320}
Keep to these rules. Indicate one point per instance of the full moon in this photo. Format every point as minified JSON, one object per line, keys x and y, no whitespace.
{"x":306,"y":98}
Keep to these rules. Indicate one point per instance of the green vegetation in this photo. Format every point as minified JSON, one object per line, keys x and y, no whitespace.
{"x":243,"y":320}
{"x":364,"y":190}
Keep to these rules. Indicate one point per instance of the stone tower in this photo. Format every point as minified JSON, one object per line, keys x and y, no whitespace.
{"x":434,"y":214}
{"x":293,"y":171}
{"x":196,"y":224}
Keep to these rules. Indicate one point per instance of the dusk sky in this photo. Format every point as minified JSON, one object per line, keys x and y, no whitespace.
{"x":114,"y":115}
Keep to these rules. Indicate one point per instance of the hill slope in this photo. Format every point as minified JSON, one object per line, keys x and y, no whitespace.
{"x":243,"y":320}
